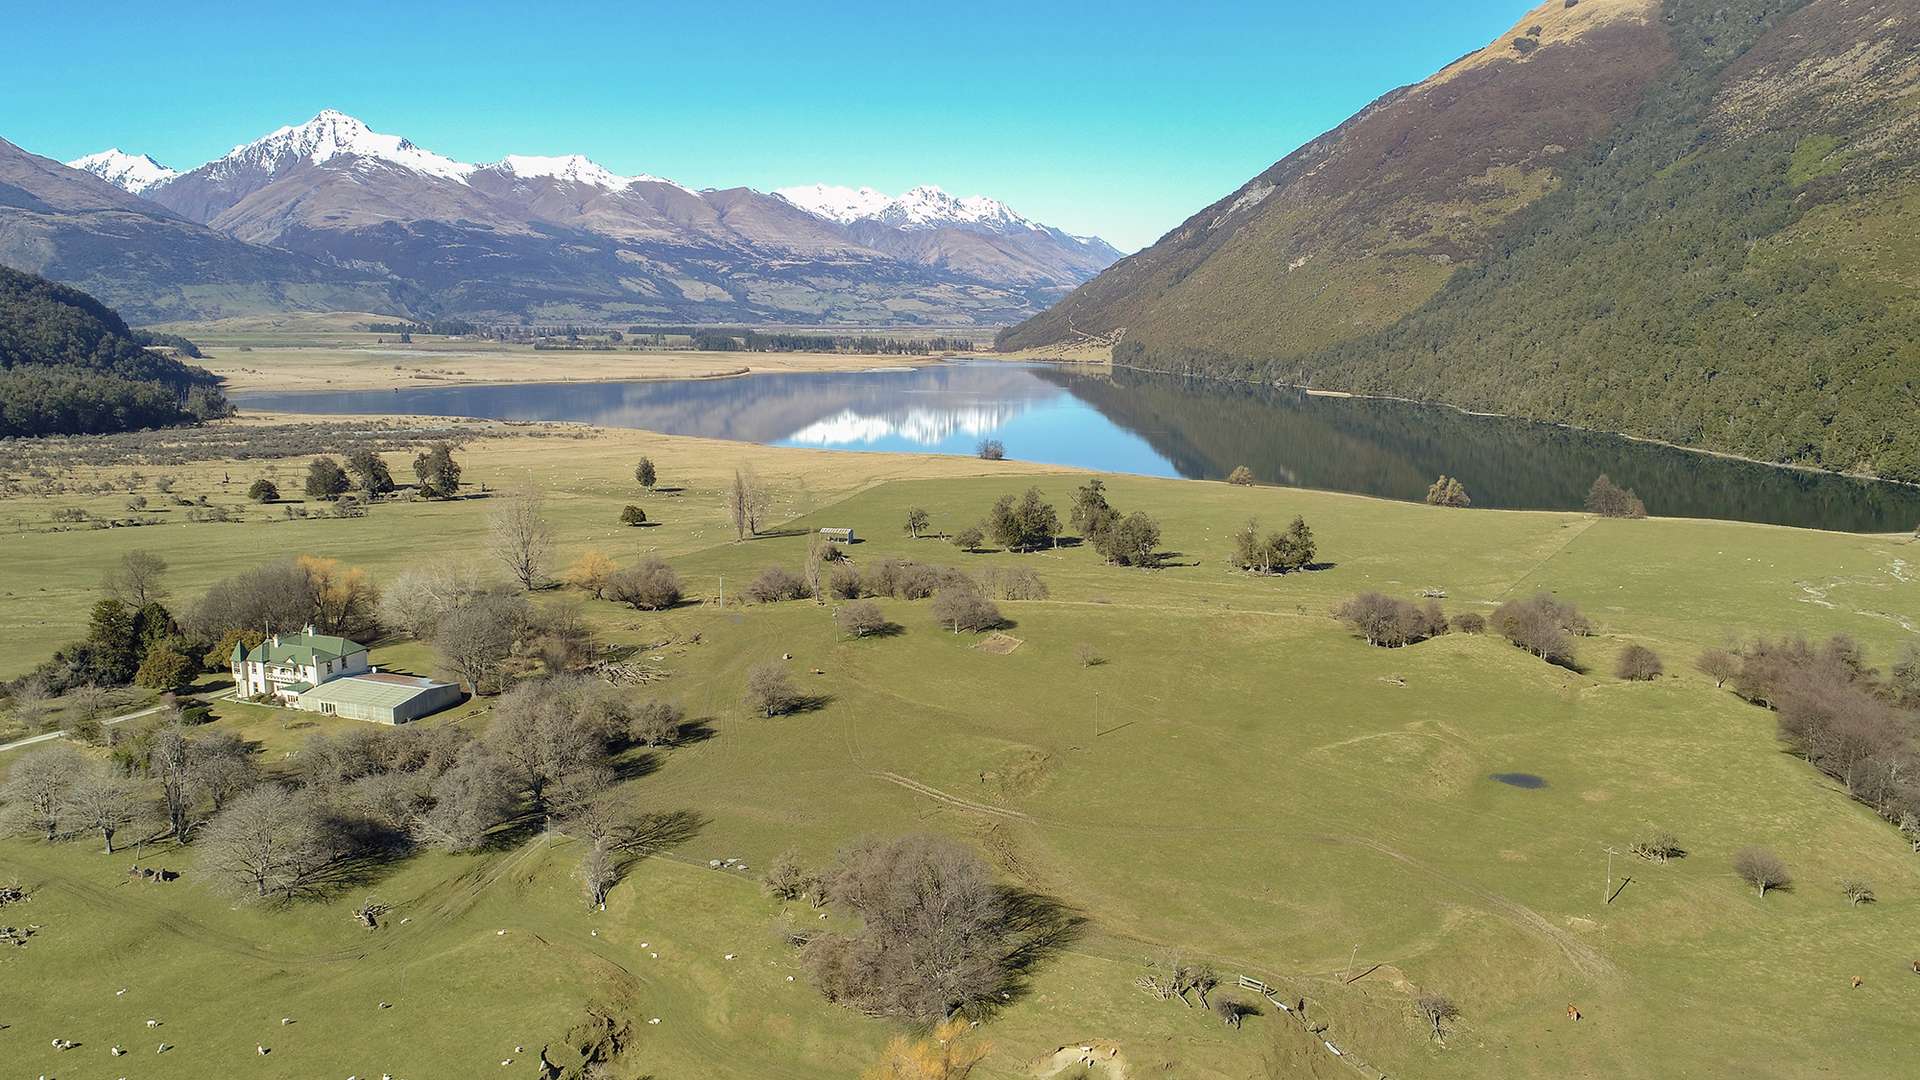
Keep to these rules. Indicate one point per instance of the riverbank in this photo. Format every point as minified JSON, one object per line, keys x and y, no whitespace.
{"x":1724,"y":455}
{"x":389,"y":366}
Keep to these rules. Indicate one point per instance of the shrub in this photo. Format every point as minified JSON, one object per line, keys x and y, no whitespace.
{"x":650,"y":586}
{"x":1241,"y":476}
{"x":1470,"y":622}
{"x":776,"y":583}
{"x":1761,"y":869}
{"x":1638,"y":664}
{"x":633,"y":515}
{"x":1448,"y":491}
{"x":844,"y":582}
{"x":263,"y":490}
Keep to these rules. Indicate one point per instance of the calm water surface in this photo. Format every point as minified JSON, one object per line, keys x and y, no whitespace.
{"x":1167,"y":426}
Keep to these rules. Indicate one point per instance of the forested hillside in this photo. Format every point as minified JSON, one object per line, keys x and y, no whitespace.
{"x":1728,"y":263}
{"x":69,"y":365}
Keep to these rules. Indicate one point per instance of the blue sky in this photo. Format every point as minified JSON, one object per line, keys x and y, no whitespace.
{"x":1116,"y":118}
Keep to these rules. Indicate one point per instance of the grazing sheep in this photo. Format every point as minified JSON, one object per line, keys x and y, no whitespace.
{"x":261,"y":1050}
{"x":152,"y":1022}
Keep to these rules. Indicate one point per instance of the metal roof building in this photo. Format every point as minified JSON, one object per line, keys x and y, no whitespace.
{"x":381,"y":697}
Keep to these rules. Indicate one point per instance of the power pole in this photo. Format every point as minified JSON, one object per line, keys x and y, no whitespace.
{"x":1607,"y":896}
{"x":1350,"y":959}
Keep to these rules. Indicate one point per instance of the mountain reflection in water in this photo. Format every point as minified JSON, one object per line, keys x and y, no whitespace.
{"x":1168,"y":426}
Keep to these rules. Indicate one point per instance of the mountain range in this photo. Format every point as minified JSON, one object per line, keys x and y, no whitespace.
{"x":383,"y":224}
{"x":1691,"y":220}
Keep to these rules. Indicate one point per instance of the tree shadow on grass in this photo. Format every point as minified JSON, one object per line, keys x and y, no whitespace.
{"x":632,"y":766}
{"x":776,"y":534}
{"x":806,"y":703}
{"x":694,"y":731}
{"x":1041,"y":927}
{"x":669,"y":828}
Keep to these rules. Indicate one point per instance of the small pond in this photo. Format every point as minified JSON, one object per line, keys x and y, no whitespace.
{"x":1520,"y":779}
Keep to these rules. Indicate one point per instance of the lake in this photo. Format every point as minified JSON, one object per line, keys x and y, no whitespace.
{"x":1157,"y":425}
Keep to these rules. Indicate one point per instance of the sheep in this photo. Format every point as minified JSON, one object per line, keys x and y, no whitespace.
{"x":261,"y":1050}
{"x":152,"y":1023}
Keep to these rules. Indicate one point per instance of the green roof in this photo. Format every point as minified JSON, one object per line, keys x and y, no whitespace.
{"x":304,"y":649}
{"x":378,"y":691}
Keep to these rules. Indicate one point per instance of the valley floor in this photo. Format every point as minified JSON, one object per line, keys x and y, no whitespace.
{"x":1241,"y":779}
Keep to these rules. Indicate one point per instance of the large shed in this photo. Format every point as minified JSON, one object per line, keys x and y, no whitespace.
{"x":381,"y":697}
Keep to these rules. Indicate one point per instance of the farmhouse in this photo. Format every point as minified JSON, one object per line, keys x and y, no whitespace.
{"x":331,"y":676}
{"x":286,"y":667}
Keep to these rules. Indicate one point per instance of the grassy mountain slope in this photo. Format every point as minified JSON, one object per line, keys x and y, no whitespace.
{"x":1727,"y":263}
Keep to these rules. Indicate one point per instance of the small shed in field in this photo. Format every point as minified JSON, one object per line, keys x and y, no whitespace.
{"x":838,"y":536}
{"x":380,"y":697}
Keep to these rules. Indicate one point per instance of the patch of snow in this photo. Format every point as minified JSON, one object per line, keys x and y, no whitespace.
{"x":133,"y":173}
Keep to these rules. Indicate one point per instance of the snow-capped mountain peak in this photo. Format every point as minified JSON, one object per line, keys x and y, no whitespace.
{"x":133,"y":173}
{"x":334,"y":134}
{"x":571,"y":168}
{"x":842,"y":204}
{"x":922,"y":207}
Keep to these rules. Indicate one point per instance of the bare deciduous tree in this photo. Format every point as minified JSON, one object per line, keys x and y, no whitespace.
{"x":475,"y":638}
{"x":936,"y":938}
{"x":747,"y":503}
{"x":37,"y":788}
{"x":1761,"y":869}
{"x":520,"y":538}
{"x":1436,"y":1010}
{"x":1718,"y":665}
{"x":137,"y":579}
{"x":960,"y":606}
{"x":769,"y":691}
{"x":860,"y":618}
{"x":270,"y":842}
{"x":471,"y":797}
{"x":1638,"y":664}
{"x":105,"y":802}
{"x":657,"y":723}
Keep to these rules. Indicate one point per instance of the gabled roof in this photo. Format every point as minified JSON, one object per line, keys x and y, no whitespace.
{"x":304,"y":649}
